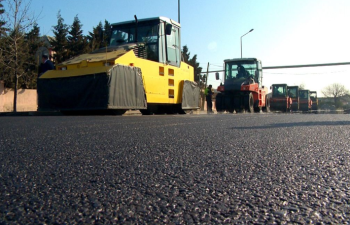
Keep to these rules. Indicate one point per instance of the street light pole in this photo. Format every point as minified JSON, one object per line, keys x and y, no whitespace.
{"x":243,"y":36}
{"x":178,"y":10}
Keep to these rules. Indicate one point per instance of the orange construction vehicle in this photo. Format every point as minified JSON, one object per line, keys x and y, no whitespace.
{"x":242,"y":89}
{"x":313,"y":97}
{"x":293,"y":92}
{"x":305,"y":101}
{"x":280,"y":99}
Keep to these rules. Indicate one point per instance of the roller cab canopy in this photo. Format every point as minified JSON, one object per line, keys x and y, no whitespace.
{"x":279,"y":90}
{"x":239,"y":70}
{"x":156,"y":39}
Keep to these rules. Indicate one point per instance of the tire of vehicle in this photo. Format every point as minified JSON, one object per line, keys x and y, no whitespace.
{"x":118,"y":112}
{"x":237,"y":104}
{"x":186,"y":111}
{"x":245,"y":103}
{"x":257,"y":109}
{"x":145,"y":112}
{"x":251,"y":103}
{"x":219,"y":103}
{"x":289,"y":108}
{"x":285,"y":108}
{"x":304,"y":108}
{"x":151,"y":110}
{"x":267,"y":105}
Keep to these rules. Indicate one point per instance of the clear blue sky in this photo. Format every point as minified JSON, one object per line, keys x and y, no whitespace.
{"x":287,"y":32}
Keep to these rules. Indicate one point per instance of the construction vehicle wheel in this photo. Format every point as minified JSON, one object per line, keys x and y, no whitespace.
{"x":289,"y":109}
{"x":146,"y":112}
{"x":186,"y":111}
{"x":118,"y":112}
{"x":219,"y":102}
{"x":267,"y":105}
{"x":251,"y":103}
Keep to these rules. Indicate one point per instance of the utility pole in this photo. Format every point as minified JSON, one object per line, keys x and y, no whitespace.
{"x":206,"y":78}
{"x":205,"y":86}
{"x":178,"y":10}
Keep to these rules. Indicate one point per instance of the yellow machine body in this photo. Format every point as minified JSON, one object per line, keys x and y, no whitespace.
{"x":162,"y":82}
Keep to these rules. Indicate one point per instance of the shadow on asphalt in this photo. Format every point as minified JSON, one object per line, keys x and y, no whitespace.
{"x":300,"y":124}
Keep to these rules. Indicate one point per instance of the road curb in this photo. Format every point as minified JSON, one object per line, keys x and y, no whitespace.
{"x":31,"y":113}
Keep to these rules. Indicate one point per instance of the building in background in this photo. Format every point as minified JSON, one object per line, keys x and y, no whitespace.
{"x":46,"y":49}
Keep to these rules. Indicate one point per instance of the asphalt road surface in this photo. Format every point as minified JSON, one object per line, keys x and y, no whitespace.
{"x":184,"y":169}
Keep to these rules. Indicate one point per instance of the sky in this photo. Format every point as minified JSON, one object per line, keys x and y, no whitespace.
{"x":288,"y":32}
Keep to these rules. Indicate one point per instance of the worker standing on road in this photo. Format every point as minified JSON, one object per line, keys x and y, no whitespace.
{"x":208,"y":97}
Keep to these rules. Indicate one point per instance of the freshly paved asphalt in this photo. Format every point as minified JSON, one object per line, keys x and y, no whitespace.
{"x":201,"y":169}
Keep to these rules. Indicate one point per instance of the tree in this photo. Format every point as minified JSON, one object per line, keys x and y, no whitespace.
{"x":193,"y":62}
{"x":335,"y":91}
{"x":185,"y":54}
{"x":76,"y":42}
{"x":60,"y":43}
{"x":302,"y":87}
{"x":2,"y":21}
{"x":2,"y":33}
{"x":107,"y":33}
{"x":100,"y":36}
{"x":86,"y":44}
{"x":32,"y":44}
{"x":19,"y":20}
{"x":96,"y":37}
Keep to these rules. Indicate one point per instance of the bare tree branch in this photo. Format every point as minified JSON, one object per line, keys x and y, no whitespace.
{"x":335,"y":90}
{"x":19,"y":20}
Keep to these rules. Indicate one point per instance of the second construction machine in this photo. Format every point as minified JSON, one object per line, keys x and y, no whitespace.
{"x":313,"y":97}
{"x":305,"y":102}
{"x":242,"y":89}
{"x":280,"y":99}
{"x":293,"y":92}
